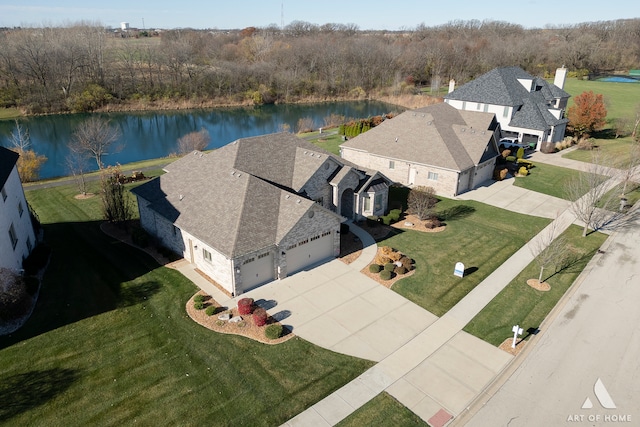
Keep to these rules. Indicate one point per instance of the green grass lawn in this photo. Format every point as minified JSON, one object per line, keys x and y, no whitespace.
{"x":621,"y":99}
{"x":109,"y":343}
{"x":328,"y":140}
{"x":520,"y":304}
{"x":614,"y":150}
{"x":383,"y":410}
{"x":9,"y":113}
{"x":546,"y":179}
{"x":480,"y":236}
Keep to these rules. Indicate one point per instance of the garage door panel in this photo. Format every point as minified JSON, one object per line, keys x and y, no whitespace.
{"x":309,"y":253}
{"x":257,"y":272}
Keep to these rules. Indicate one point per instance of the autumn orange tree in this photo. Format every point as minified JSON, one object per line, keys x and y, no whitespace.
{"x":29,"y":162}
{"x":587,"y":114}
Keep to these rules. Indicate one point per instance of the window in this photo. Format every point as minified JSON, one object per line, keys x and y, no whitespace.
{"x":367,"y":204}
{"x":392,"y":164}
{"x":248,"y":260}
{"x":320,"y":201}
{"x":20,"y":209}
{"x":13,"y":236}
{"x":4,"y":194}
{"x":206,"y":255}
{"x":486,"y":108}
{"x":479,"y":107}
{"x":505,"y":113}
{"x":432,"y":176}
{"x":263,"y":255}
{"x":378,"y":202}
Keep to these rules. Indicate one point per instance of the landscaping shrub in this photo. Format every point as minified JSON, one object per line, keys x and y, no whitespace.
{"x":386,"y":274}
{"x":406,"y":262}
{"x":506,"y":153}
{"x":198,"y":305}
{"x":198,"y":298}
{"x":400,"y":270}
{"x":386,"y":220}
{"x":523,"y":171}
{"x":394,"y":214}
{"x":511,"y":158}
{"x":273,"y":331}
{"x":211,"y":310}
{"x":245,"y":305}
{"x":524,"y":162}
{"x":259,"y":316}
{"x":586,"y":144}
{"x":375,"y":268}
{"x":390,"y":266}
{"x":432,"y":222}
{"x":520,"y":153}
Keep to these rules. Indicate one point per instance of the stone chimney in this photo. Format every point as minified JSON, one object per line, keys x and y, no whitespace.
{"x":561,"y":75}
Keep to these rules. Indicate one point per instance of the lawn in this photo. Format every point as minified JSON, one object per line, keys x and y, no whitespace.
{"x":9,"y":113}
{"x":328,"y":140}
{"x":621,"y":99}
{"x":383,"y":410}
{"x":520,"y":304}
{"x":546,"y":179}
{"x":480,"y":236}
{"x":109,"y":343}
{"x":617,"y":150}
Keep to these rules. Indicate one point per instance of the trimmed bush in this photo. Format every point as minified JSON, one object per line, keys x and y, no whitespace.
{"x":198,"y":305}
{"x":198,"y":298}
{"x":506,"y":153}
{"x":523,"y":171}
{"x":432,"y":222}
{"x":386,"y":220}
{"x":245,"y":306}
{"x":211,"y":310}
{"x":400,"y":270}
{"x":390,"y":266}
{"x":520,"y":153}
{"x":406,"y":262}
{"x":259,"y":316}
{"x":386,"y":274}
{"x":394,"y":214}
{"x":524,"y":162}
{"x":273,"y":331}
{"x":511,"y":158}
{"x":375,"y":268}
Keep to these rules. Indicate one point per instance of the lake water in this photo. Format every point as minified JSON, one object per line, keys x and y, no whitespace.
{"x":148,"y":135}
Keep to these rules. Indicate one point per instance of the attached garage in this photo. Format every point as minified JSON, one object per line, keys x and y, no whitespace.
{"x":309,"y":251}
{"x":256,"y":271}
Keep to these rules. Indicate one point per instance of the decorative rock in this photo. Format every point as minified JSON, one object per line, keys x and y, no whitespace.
{"x":224,"y":316}
{"x":235,"y":319}
{"x":408,"y":224}
{"x":398,"y":264}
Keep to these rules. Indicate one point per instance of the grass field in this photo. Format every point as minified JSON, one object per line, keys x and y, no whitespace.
{"x":546,"y":179}
{"x":109,"y":343}
{"x":9,"y":113}
{"x":621,"y":99}
{"x":480,"y":236}
{"x":520,"y":304}
{"x":614,"y":151}
{"x":382,"y":411}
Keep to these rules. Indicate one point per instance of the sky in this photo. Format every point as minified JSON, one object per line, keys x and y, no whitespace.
{"x":366,"y":14}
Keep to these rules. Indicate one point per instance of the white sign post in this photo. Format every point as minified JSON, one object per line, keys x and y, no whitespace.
{"x":459,"y":269}
{"x":517,"y":330}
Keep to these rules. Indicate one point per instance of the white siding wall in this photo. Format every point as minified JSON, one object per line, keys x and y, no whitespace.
{"x":11,"y":257}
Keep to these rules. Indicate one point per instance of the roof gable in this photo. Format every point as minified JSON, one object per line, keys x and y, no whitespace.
{"x":8,"y":160}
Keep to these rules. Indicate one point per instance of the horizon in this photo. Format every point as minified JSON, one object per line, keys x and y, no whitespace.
{"x":374,"y":15}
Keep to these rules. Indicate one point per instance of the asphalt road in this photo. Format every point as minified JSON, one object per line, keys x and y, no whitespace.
{"x":596,"y":335}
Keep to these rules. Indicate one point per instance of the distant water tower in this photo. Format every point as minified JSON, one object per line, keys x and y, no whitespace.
{"x":124,"y":26}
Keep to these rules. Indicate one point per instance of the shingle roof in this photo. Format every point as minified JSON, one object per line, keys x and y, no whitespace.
{"x":8,"y":160}
{"x":437,"y":135}
{"x":535,"y":115}
{"x":241,"y":197}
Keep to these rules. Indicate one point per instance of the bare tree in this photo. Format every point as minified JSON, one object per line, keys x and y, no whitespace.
{"x":94,"y":138}
{"x":116,"y":200}
{"x":198,"y":140}
{"x":421,"y":202}
{"x":548,"y":248}
{"x":630,"y":170}
{"x":29,"y":163}
{"x":588,"y":191}
{"x":77,"y":164}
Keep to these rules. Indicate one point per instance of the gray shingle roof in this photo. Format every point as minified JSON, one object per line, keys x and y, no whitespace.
{"x":8,"y":160}
{"x":437,"y":135}
{"x":241,"y":197}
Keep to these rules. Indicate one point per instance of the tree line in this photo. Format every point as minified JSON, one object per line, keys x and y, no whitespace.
{"x":84,"y":67}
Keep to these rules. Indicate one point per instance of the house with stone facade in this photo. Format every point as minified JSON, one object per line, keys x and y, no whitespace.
{"x":528,"y":108}
{"x":17,"y":235}
{"x":259,"y":208}
{"x":437,"y":146}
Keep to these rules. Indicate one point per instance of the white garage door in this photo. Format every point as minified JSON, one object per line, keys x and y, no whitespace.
{"x":256,"y":271}
{"x":310,"y":251}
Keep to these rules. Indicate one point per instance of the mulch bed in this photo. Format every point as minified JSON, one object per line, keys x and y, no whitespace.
{"x":246,"y":328}
{"x":506,"y":346}
{"x":539,"y":286}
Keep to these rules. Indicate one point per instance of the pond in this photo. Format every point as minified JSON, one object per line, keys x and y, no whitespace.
{"x":149,"y":135}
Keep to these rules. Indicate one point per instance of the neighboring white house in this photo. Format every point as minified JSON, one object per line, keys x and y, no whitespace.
{"x":527,"y":107}
{"x":17,"y":236}
{"x":259,"y":208}
{"x":437,"y":146}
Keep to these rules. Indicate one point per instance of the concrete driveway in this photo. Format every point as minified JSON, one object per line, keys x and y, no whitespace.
{"x":335,"y":306}
{"x":503,"y":194}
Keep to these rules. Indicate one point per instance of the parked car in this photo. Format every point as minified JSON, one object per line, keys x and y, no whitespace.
{"x":514,"y":143}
